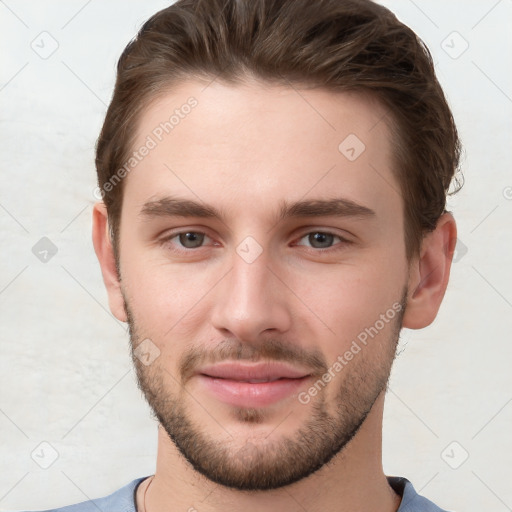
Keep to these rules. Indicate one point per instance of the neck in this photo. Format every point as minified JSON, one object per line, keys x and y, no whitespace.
{"x":352,"y":480}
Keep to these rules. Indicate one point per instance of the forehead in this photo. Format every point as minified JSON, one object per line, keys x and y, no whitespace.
{"x":231,"y":143}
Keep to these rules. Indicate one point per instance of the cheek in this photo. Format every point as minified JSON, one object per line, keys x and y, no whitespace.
{"x":344,"y":303}
{"x":164,"y":298}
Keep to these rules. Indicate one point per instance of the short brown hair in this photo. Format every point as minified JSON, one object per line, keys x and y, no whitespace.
{"x":338,"y":45}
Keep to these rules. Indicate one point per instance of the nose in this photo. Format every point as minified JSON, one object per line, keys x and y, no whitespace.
{"x":251,"y":300}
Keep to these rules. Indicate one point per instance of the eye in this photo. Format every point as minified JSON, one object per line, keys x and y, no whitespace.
{"x":321,"y":239}
{"x":186,"y":240}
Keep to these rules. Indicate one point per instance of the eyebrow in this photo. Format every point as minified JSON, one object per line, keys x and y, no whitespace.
{"x":176,"y":207}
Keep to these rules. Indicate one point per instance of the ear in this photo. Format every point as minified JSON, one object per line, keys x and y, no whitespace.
{"x":105,"y":253}
{"x":429,"y":274}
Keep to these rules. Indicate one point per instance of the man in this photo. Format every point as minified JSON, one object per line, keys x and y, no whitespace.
{"x":274,"y":177}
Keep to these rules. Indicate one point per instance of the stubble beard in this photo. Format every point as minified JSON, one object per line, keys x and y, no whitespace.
{"x":262,"y":464}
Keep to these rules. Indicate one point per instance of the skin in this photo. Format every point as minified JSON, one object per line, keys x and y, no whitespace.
{"x":244,"y":150}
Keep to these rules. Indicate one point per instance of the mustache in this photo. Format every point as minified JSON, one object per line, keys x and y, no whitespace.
{"x":266,"y":350}
{"x":270,"y":350}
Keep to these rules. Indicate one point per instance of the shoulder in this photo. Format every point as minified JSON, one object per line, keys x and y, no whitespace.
{"x":122,"y":500}
{"x":411,"y":500}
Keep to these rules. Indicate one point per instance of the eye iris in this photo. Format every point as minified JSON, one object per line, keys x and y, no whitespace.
{"x":191,"y":239}
{"x":324,"y":239}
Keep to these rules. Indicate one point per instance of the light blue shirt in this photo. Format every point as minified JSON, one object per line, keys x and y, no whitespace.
{"x":123,"y":500}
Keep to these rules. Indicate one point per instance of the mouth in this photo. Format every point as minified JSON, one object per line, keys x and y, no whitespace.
{"x":251,"y":381}
{"x":256,"y":385}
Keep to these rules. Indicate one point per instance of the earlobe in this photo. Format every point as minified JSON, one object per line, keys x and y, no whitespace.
{"x":429,"y":274}
{"x":105,"y":254}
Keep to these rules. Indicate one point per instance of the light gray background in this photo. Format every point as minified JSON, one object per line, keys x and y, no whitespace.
{"x":65,"y":373}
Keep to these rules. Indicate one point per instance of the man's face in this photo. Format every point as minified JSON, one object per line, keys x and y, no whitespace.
{"x":266,"y":281}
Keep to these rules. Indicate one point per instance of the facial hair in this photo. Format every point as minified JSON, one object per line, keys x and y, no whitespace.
{"x":265,"y":464}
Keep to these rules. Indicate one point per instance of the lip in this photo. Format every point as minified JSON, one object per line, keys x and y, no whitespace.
{"x":245,"y":371}
{"x":228,"y":382}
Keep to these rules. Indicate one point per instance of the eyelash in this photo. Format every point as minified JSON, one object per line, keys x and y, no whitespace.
{"x":343,"y":241}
